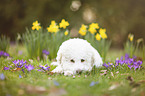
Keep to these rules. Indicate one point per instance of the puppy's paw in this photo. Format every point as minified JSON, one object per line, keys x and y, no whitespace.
{"x":68,"y":73}
{"x":57,"y":70}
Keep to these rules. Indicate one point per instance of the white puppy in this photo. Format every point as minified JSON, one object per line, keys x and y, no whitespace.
{"x":76,"y":55}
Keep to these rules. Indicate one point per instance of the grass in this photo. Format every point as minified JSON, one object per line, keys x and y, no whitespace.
{"x":37,"y":83}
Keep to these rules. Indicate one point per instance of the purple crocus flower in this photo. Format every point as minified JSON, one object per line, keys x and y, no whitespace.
{"x":23,"y":71}
{"x":44,"y":68}
{"x":121,"y":58}
{"x":126,"y":56}
{"x":130,"y":60}
{"x":19,"y":63}
{"x":139,"y":62}
{"x":6,"y":68}
{"x":117,"y":61}
{"x":2,"y":76}
{"x":20,"y":76}
{"x":29,"y":67}
{"x":56,"y":83}
{"x":116,"y":64}
{"x":136,"y":66}
{"x":121,"y":62}
{"x":6,"y":54}
{"x":134,"y":57}
{"x":126,"y":61}
{"x":93,"y":83}
{"x":1,"y":53}
{"x":45,"y":52}
{"x":20,"y":52}
{"x":130,"y":66}
{"x":108,"y":64}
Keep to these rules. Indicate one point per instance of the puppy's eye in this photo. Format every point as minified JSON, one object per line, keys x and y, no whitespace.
{"x":82,"y":60}
{"x":72,"y":61}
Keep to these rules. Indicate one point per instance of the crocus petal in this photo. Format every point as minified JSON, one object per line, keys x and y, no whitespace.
{"x":20,"y":76}
{"x":2,"y":76}
{"x":93,"y":83}
{"x":56,"y":83}
{"x":6,"y":68}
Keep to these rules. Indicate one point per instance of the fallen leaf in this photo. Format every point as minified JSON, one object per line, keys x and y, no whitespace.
{"x":21,"y":92}
{"x":17,"y":69}
{"x":133,"y":89}
{"x":57,"y":91}
{"x":40,"y":89}
{"x":34,"y":89}
{"x":130,"y":78}
{"x":50,"y":73}
{"x":132,"y":82}
{"x":142,"y":93}
{"x":141,"y":81}
{"x":114,"y":86}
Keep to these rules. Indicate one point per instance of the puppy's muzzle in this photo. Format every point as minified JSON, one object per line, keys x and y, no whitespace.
{"x":79,"y":71}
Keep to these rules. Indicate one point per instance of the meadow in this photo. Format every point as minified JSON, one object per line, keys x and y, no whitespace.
{"x":25,"y":68}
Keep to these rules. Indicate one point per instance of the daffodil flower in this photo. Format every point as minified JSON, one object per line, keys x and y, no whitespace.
{"x":98,"y":37}
{"x":66,"y":33}
{"x":93,"y":27}
{"x":103,"y":33}
{"x":36,"y":25}
{"x":53,"y":28}
{"x":83,"y":30}
{"x":63,"y":24}
{"x":131,"y":36}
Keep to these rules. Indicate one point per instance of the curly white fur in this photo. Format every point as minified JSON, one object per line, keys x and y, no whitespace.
{"x":76,"y":55}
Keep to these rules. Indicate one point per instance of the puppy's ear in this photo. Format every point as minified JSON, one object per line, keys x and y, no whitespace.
{"x":96,"y":58}
{"x":59,"y":56}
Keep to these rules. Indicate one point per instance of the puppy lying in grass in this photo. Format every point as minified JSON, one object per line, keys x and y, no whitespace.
{"x":75,"y":55}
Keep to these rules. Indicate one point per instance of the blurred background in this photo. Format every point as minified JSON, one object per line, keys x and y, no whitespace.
{"x":119,"y":17}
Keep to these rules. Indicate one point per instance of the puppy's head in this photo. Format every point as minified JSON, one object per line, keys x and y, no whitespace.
{"x":76,"y":60}
{"x":76,"y":55}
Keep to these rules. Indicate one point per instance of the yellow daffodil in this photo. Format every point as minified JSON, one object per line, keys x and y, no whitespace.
{"x":103,"y":33}
{"x":98,"y":37}
{"x":92,"y":30}
{"x":102,"y":30}
{"x":63,"y":24}
{"x":83,"y":30}
{"x":53,"y":28}
{"x":131,"y":36}
{"x":66,"y":33}
{"x":53,"y":23}
{"x":93,"y":27}
{"x":36,"y":25}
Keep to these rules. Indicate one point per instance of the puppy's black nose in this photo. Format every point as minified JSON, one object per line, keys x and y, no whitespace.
{"x":79,"y":71}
